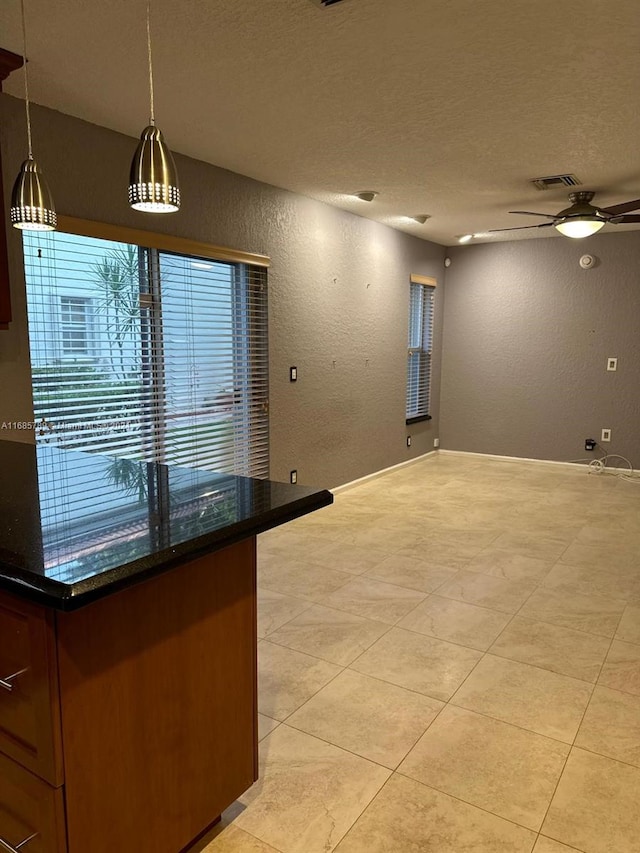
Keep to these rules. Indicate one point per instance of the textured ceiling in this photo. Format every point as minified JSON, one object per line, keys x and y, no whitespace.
{"x":445,"y":107}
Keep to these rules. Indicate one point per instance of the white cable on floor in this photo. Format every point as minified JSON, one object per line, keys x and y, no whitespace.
{"x":599,"y":466}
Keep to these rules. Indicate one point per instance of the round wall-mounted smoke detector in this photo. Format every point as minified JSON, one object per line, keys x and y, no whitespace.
{"x":587,"y":261}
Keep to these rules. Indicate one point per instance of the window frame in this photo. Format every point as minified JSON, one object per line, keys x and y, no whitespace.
{"x":162,"y":242}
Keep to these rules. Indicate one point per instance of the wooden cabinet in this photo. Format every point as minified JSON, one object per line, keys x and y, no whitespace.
{"x":30,"y":809}
{"x":152,"y":693}
{"x":29,"y":718}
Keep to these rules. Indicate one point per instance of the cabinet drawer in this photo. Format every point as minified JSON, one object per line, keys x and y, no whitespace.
{"x":29,"y":702}
{"x":30,"y":809}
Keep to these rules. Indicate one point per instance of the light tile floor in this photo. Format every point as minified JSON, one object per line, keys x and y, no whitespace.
{"x":449,"y":662}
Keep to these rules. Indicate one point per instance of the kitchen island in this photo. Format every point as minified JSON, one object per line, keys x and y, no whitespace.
{"x":128,"y":706}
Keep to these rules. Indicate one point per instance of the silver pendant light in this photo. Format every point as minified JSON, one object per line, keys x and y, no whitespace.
{"x":32,"y":207}
{"x":153,"y":180}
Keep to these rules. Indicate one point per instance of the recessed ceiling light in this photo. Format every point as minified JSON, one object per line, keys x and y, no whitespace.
{"x":465,"y":238}
{"x":366,"y":195}
{"x":421,"y":218}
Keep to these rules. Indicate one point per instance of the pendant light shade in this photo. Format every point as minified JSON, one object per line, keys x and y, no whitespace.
{"x":153,"y":182}
{"x":32,"y":206}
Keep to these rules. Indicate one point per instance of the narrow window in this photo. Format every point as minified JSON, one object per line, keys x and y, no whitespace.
{"x":421,"y":295}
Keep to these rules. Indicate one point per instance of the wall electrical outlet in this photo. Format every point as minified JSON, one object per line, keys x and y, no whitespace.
{"x":293,"y":477}
{"x":612,"y":364}
{"x":408,"y":441}
{"x":436,"y":442}
{"x":606,"y":435}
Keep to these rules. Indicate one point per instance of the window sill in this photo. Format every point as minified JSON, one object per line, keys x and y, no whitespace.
{"x":417,"y":419}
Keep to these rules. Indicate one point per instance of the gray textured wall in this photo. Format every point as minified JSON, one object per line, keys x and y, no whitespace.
{"x":338,"y":295}
{"x":527,"y":335}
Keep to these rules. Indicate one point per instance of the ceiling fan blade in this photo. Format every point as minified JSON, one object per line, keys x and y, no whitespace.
{"x":622,"y":208}
{"x":633,"y":217}
{"x":521,"y":227}
{"x":531,"y":213}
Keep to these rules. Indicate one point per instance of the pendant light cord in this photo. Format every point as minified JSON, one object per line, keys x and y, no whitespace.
{"x":26,"y":81}
{"x":152,"y":120}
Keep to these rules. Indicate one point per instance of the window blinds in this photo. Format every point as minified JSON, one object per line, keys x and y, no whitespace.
{"x":148,"y":354}
{"x":419,"y":351}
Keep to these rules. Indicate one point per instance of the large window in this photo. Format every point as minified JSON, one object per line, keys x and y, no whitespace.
{"x":146,"y":353}
{"x":421,"y":294}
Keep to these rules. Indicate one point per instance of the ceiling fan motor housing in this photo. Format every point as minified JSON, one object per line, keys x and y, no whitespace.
{"x":582,"y":196}
{"x":581,"y":206}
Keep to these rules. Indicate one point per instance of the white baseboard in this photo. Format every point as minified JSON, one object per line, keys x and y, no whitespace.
{"x":381,"y":473}
{"x":510,"y":458}
{"x":573,"y":465}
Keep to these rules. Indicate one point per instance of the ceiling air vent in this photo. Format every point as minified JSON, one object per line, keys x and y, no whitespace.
{"x":324,"y":3}
{"x":556,"y":181}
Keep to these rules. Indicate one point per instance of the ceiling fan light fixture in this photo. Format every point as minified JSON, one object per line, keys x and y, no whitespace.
{"x":579,"y":227}
{"x":581,"y":218}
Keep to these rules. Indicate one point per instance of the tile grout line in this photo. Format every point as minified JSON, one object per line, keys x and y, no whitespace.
{"x":582,"y":718}
{"x":467,"y":803}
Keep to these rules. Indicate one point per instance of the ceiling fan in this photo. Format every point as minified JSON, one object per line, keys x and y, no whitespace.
{"x":581,"y":218}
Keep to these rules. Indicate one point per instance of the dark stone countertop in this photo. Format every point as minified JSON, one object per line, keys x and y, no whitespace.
{"x":77,"y":526}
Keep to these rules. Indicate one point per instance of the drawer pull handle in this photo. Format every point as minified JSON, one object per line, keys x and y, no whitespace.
{"x":7,"y":684}
{"x":4,"y":844}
